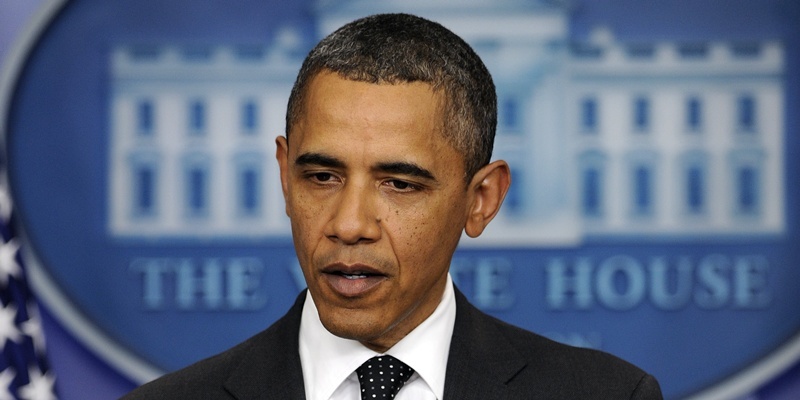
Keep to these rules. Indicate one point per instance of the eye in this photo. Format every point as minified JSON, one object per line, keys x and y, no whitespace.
{"x":402,"y":186}
{"x":322,"y":176}
{"x":399,"y":184}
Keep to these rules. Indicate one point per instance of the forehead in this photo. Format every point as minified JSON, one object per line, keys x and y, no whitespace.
{"x":366,"y":124}
{"x":336,"y":106}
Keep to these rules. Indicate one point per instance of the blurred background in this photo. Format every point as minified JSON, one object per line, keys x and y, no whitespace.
{"x":652,"y":214}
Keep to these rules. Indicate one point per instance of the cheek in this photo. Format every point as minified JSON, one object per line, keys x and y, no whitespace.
{"x":303,"y":206}
{"x":304,"y":215}
{"x":408,"y":227}
{"x":424,"y":234}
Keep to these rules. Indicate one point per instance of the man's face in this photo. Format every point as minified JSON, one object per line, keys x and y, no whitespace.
{"x":377,"y":202}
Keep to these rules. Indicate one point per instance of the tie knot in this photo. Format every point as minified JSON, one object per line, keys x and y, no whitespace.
{"x":381,"y":377}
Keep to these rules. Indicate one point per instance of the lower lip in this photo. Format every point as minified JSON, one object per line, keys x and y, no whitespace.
{"x":353,"y":287}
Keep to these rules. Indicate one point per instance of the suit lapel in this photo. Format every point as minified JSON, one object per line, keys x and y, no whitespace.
{"x":271,"y":369}
{"x":481,"y":360}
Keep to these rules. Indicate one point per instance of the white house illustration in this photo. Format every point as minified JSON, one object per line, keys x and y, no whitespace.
{"x":676,"y":138}
{"x":604,"y":138}
{"x":192,"y":139}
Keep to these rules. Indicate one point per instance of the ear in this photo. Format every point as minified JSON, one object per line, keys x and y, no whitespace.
{"x":488,"y":189}
{"x":282,"y":155}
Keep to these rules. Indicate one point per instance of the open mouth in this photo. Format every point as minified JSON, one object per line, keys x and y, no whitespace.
{"x":355,"y":271}
{"x":353,"y":281}
{"x":354,"y":276}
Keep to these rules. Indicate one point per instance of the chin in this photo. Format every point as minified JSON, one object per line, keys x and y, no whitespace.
{"x":359,"y":333}
{"x":345,"y":328}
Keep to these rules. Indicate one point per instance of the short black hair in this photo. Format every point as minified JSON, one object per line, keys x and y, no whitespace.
{"x":403,"y":48}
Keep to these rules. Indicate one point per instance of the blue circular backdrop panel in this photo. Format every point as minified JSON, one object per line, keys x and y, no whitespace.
{"x":652,"y":215}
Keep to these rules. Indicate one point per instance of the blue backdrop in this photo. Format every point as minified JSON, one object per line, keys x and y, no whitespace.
{"x":699,"y":288}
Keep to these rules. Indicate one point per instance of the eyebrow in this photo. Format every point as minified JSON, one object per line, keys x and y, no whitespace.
{"x":320,"y":159}
{"x":406,"y":168}
{"x":395,"y":167}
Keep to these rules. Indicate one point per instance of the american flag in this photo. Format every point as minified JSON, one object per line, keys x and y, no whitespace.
{"x":24,"y":371}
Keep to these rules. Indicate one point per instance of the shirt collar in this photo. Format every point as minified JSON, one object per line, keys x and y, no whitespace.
{"x":328,"y":360}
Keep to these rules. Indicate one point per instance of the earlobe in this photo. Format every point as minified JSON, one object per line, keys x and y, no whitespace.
{"x":489,"y":187}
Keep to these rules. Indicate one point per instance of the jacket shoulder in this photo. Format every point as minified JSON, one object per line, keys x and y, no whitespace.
{"x":240,"y":371}
{"x":581,"y":372}
{"x":489,"y":356}
{"x":203,"y":379}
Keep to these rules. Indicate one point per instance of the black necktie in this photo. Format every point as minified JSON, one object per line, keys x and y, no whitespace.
{"x":381,"y":377}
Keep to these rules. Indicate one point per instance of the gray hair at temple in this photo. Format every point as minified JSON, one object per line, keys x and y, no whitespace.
{"x":402,"y":48}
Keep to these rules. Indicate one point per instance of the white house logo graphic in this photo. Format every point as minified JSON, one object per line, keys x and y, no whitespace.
{"x":650,"y":215}
{"x":604,"y":138}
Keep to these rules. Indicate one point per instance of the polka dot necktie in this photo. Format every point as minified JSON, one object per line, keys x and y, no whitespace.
{"x":382,"y":377}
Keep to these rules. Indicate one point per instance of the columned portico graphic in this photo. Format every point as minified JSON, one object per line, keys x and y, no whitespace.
{"x":603,"y":137}
{"x":675,"y":139}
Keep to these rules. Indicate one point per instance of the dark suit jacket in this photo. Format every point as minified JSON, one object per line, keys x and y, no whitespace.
{"x":488,"y":359}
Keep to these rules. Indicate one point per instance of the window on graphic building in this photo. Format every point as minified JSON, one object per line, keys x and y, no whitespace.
{"x":641,"y":114}
{"x":592,"y":183}
{"x":746,"y":113}
{"x":197,"y":181}
{"x":592,"y":193}
{"x":640,"y":182}
{"x":144,"y":185}
{"x":198,"y":189}
{"x":197,"y":117}
{"x":249,"y":117}
{"x":249,"y":191}
{"x":643,"y":188}
{"x":694,"y":114}
{"x":248,"y":179}
{"x":145,"y":117}
{"x":696,"y":189}
{"x":510,"y":117}
{"x":747,"y":186}
{"x":694,"y":182}
{"x":145,"y":190}
{"x":589,"y":117}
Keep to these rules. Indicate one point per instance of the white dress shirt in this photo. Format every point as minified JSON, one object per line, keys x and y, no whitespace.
{"x":329,"y":362}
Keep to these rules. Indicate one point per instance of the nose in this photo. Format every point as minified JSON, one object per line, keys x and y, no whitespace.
{"x":355,"y":218}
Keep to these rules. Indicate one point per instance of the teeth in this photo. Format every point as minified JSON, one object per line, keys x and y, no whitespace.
{"x":354,"y":276}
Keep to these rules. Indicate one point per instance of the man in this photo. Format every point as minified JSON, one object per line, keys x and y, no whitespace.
{"x":385,"y":163}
